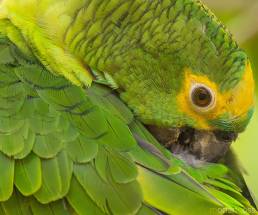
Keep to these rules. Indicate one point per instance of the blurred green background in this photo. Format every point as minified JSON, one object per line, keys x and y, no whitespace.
{"x":241,"y":17}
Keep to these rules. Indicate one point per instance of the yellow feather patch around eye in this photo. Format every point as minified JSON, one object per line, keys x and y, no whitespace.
{"x":243,"y":94}
{"x":235,"y":102}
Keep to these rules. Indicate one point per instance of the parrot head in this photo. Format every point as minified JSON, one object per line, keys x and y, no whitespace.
{"x":218,"y":112}
{"x":196,"y":94}
{"x":194,"y":97}
{"x":211,"y":113}
{"x":212,"y":107}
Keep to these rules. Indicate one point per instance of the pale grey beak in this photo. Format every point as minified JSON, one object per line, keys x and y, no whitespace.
{"x":211,"y":146}
{"x":191,"y":143}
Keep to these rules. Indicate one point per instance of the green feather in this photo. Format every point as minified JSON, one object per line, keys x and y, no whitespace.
{"x":16,"y":205}
{"x":82,"y":150}
{"x":12,"y":99}
{"x":7,"y":177}
{"x":56,"y":176}
{"x":80,"y":200}
{"x":110,"y":196}
{"x":167,"y":192}
{"x":10,"y":125}
{"x":147,"y":211}
{"x":143,"y":156}
{"x":11,"y":144}
{"x":56,"y":208}
{"x":104,"y":98}
{"x":47,"y":146}
{"x":28,"y":175}
{"x":29,"y":142}
{"x":43,"y":120}
{"x":121,"y":167}
{"x":118,"y":135}
{"x":65,"y":170}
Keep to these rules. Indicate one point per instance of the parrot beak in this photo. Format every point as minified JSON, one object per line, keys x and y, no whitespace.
{"x":194,"y":146}
{"x":211,"y":146}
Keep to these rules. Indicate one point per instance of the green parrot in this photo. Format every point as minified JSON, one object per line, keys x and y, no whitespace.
{"x":120,"y":107}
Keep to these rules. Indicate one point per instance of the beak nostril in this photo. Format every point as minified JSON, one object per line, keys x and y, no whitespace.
{"x":226,"y":136}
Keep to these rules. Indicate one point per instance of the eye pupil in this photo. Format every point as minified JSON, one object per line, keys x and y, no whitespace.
{"x":201,"y":97}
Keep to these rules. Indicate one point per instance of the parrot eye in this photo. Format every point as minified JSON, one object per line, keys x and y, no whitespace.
{"x":202,"y":97}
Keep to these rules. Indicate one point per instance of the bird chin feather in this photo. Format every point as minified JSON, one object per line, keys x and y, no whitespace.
{"x":194,"y":146}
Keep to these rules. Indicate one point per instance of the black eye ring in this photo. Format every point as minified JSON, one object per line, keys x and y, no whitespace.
{"x":202,"y":97}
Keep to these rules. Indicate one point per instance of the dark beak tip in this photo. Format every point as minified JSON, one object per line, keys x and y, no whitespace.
{"x":226,"y":136}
